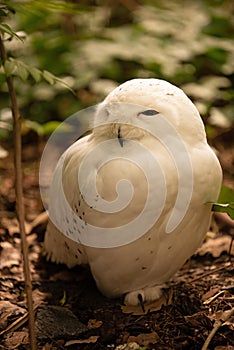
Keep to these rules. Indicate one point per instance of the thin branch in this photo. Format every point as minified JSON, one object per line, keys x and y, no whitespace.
{"x":215,"y":329}
{"x":19,"y":197}
{"x":210,"y":272}
{"x":17,"y":323}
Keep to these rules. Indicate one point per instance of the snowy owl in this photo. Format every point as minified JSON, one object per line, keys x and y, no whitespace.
{"x":131,"y":199}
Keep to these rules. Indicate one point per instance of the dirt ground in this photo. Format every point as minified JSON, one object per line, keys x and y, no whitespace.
{"x":72,"y":314}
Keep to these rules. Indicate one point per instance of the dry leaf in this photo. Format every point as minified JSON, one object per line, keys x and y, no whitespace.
{"x":10,"y":256}
{"x":9,"y":311}
{"x":16,"y":339}
{"x":210,"y":293}
{"x":40,"y":297}
{"x":216,"y":246}
{"x":11,"y":225}
{"x":128,"y":346}
{"x":91,"y":339}
{"x":93,"y":324}
{"x":47,"y":346}
{"x":211,"y":299}
{"x":144,"y":339}
{"x":220,"y":315}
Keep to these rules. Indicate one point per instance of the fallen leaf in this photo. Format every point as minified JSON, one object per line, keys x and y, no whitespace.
{"x":211,"y":299}
{"x":94,"y":324}
{"x":220,"y":315}
{"x":11,"y":225}
{"x":210,"y":293}
{"x":40,"y":297}
{"x":128,"y":346}
{"x":16,"y":339}
{"x":10,"y":256}
{"x":198,"y":320}
{"x":31,"y":239}
{"x":9,"y":311}
{"x":47,"y":346}
{"x":216,"y":246}
{"x":144,"y":339}
{"x":91,"y":339}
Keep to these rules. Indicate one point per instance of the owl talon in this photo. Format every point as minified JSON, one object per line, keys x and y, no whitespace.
{"x":141,"y":302}
{"x":146,"y":295}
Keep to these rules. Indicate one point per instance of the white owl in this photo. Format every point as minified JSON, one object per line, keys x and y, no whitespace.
{"x":131,"y":200}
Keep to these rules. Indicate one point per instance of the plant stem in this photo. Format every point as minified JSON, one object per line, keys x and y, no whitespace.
{"x":19,"y":197}
{"x":216,"y":328}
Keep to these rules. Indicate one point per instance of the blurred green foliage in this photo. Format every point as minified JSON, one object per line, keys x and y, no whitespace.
{"x":225,"y":202}
{"x":94,"y":45}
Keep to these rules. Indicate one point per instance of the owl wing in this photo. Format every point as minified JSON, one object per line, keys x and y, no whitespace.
{"x":60,"y":241}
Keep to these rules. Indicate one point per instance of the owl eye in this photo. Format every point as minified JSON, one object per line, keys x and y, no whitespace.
{"x":149,"y":112}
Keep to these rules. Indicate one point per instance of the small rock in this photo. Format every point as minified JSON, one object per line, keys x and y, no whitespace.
{"x":54,"y":322}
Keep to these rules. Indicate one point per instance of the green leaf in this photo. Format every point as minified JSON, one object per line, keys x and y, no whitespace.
{"x":224,"y":208}
{"x":35,"y":73}
{"x":50,"y":78}
{"x":64,"y":299}
{"x":9,"y":67}
{"x":40,"y":6}
{"x":226,"y":195}
{"x":225,"y":202}
{"x":32,"y":125}
{"x":3,"y":13}
{"x":5,"y":28}
{"x":60,"y":81}
{"x":21,"y":71}
{"x":17,"y":67}
{"x":49,"y":127}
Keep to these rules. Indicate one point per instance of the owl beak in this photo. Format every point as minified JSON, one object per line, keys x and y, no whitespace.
{"x":120,"y":139}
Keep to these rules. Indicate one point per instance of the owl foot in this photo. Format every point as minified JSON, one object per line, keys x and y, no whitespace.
{"x":146,"y":295}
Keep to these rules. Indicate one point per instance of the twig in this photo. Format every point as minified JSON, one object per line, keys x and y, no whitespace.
{"x":215,"y":329}
{"x":17,"y":323}
{"x":210,"y":272}
{"x":211,"y":299}
{"x":19,"y":197}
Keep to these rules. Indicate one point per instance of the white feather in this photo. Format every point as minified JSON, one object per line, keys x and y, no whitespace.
{"x":167,"y":151}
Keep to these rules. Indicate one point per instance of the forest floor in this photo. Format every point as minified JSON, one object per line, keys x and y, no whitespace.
{"x":70,"y":311}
